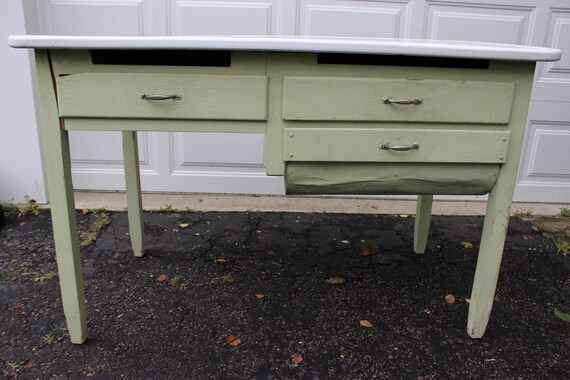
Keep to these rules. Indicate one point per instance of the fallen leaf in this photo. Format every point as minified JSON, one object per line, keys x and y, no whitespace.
{"x":296,"y":358}
{"x":84,"y":211}
{"x":22,"y":224}
{"x":467,"y":300}
{"x":221,"y":261}
{"x":183,"y":225}
{"x":28,"y":366}
{"x":561,"y":315}
{"x":162,"y":278}
{"x":335,"y":281}
{"x":233,"y":341}
{"x":466,"y":245}
{"x":13,"y":261}
{"x":17,"y":306}
{"x":259,"y":296}
{"x":427,"y":311}
{"x":365,"y":323}
{"x":12,"y":278}
{"x":367,"y":251}
{"x":450,"y":298}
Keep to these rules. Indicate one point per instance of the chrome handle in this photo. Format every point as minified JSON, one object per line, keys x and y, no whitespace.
{"x":160,"y":97}
{"x":399,"y":148}
{"x":414,"y":101}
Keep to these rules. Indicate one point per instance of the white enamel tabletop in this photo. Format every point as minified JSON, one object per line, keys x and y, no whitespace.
{"x":452,"y":49}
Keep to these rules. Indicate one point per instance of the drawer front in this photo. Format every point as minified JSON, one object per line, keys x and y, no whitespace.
{"x":395,"y":145}
{"x":369,"y":99}
{"x":213,"y":97}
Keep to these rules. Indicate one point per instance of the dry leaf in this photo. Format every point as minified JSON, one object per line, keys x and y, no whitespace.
{"x":468,"y":300}
{"x":296,"y":358}
{"x":221,"y":261}
{"x":466,"y":245}
{"x":367,"y":251}
{"x":450,"y":298}
{"x":365,"y":323}
{"x":12,"y":278}
{"x":183,"y":225}
{"x":233,"y":341}
{"x":162,"y":278}
{"x":13,"y":261}
{"x":335,"y":281}
{"x":84,"y":211}
{"x":17,"y":306}
{"x":28,"y":366}
{"x":259,"y":296}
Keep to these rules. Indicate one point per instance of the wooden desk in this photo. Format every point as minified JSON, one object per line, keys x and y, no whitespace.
{"x":341,"y":116}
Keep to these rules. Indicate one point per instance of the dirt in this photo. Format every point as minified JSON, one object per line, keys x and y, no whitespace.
{"x":300,"y":296}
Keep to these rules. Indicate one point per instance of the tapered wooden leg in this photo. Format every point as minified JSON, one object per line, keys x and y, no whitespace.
{"x":134,"y":199}
{"x":489,"y":261}
{"x":58,"y":170}
{"x":423,"y":219}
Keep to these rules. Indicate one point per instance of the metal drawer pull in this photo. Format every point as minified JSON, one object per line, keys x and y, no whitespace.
{"x":161,"y":97}
{"x":399,"y":148}
{"x":415,"y":101}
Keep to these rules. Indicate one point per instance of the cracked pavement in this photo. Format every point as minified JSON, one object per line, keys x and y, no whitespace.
{"x":262,"y":277}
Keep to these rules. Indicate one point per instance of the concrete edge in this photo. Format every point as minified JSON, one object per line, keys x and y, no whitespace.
{"x":116,"y":201}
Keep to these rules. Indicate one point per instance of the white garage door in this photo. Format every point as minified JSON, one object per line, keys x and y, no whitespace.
{"x":233,"y":163}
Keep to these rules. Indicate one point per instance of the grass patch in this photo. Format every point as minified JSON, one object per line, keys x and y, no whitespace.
{"x":102,"y":220}
{"x":565,"y":212}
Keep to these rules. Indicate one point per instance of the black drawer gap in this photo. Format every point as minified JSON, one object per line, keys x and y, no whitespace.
{"x":400,"y":60}
{"x":212,"y":58}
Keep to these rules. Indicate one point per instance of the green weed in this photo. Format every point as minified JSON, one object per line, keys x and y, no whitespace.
{"x":11,"y":370}
{"x":562,"y":247}
{"x":524,"y":214}
{"x":48,"y":339}
{"x":165,"y":209}
{"x":45,"y":277}
{"x":565,"y":212}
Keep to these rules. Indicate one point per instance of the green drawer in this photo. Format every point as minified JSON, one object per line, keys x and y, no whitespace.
{"x":368,"y":99}
{"x":374,"y":145}
{"x":208,"y":97}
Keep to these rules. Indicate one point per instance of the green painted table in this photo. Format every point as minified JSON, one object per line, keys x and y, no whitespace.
{"x":341,"y":116}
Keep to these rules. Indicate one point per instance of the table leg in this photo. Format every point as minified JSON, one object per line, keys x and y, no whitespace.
{"x":423,"y":219}
{"x":58,"y":170}
{"x":489,"y":261}
{"x":134,"y":199}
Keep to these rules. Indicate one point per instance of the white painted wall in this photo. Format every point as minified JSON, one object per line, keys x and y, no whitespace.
{"x":21,"y":170}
